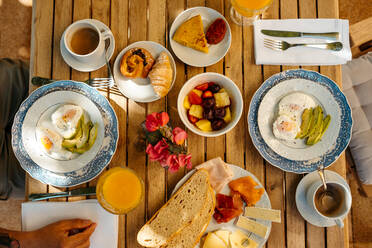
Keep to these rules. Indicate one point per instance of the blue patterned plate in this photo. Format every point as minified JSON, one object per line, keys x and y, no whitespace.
{"x":81,"y":169}
{"x":336,"y":138}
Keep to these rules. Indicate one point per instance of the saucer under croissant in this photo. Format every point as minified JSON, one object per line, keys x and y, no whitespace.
{"x":145,"y":71}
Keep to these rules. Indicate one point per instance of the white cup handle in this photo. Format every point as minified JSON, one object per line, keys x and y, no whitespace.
{"x":107,"y":35}
{"x":339,"y":222}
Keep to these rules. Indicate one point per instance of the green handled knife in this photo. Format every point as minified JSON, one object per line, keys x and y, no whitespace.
{"x":75,"y":192}
{"x":280,"y":33}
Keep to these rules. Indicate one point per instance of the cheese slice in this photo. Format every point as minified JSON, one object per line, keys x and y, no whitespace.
{"x":239,"y":240}
{"x":263,"y":214}
{"x":252,"y":226}
{"x":223,"y":235}
{"x":212,"y":241}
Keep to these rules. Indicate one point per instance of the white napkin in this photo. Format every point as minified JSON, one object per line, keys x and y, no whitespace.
{"x":302,"y":55}
{"x":38,"y":214}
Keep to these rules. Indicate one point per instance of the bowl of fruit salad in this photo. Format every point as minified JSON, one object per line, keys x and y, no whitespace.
{"x":210,"y":104}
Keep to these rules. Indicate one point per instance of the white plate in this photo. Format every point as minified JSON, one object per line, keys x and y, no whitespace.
{"x":264,"y":202}
{"x":191,"y":56}
{"x":140,"y":89}
{"x":268,"y":112}
{"x":94,"y":64}
{"x":306,"y":211}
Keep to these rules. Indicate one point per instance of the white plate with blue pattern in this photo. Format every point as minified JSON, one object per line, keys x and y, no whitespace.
{"x":82,"y":168}
{"x":307,"y":158}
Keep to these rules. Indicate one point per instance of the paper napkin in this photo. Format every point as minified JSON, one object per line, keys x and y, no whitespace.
{"x":38,"y":214}
{"x":302,"y":55}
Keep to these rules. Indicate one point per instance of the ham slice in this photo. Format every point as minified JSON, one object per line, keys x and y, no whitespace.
{"x":219,"y":173}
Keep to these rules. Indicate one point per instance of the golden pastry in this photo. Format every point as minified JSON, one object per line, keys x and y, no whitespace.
{"x":161,"y":75}
{"x":191,"y":34}
{"x":137,"y":62}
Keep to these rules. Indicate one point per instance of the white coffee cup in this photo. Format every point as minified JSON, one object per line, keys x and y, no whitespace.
{"x":96,"y":53}
{"x":341,"y":212}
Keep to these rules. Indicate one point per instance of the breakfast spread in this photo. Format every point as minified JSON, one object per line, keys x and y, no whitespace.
{"x":161,"y":75}
{"x":300,"y":117}
{"x":136,"y":62}
{"x":192,"y":201}
{"x":191,"y":34}
{"x":208,"y":107}
{"x":216,"y":31}
{"x":66,"y":132}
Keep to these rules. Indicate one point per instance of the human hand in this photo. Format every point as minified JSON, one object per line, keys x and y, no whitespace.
{"x":73,"y":233}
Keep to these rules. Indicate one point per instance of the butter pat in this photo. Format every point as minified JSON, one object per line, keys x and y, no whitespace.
{"x":263,"y":214}
{"x":212,"y":241}
{"x":252,"y":226}
{"x":239,"y":240}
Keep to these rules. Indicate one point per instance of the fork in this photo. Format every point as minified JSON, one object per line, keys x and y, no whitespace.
{"x":282,"y":45}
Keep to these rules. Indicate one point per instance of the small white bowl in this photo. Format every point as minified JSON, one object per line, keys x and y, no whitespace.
{"x":224,"y":82}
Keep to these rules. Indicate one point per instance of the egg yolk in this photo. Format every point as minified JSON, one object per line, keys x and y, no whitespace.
{"x":122,"y":190}
{"x":46,"y":142}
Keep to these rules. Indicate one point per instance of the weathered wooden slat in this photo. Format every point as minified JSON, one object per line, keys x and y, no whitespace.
{"x":119,"y":27}
{"x":41,"y":61}
{"x":233,"y":69}
{"x":336,"y":237}
{"x":136,"y":115}
{"x":197,"y":143}
{"x":60,"y":70}
{"x":274,"y":176}
{"x":174,"y":8}
{"x":216,"y":146}
{"x":295,"y":232}
{"x":155,"y":173}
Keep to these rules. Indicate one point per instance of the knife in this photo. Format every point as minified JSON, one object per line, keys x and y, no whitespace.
{"x":74,"y":192}
{"x":279,"y":33}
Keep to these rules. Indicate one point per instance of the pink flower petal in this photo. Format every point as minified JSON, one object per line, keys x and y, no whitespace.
{"x":163,"y":118}
{"x":179,"y":135}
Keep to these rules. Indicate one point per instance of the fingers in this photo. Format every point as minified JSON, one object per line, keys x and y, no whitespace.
{"x":75,"y":224}
{"x":86,"y":244}
{"x":81,"y":238}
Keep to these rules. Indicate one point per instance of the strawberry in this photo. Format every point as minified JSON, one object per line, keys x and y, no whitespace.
{"x":192,"y":119}
{"x":207,"y":94}
{"x":194,"y":98}
{"x":202,"y":87}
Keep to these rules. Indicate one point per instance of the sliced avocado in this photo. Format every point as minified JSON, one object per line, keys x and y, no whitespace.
{"x":317,"y":120}
{"x":82,"y":149}
{"x":93,"y":135}
{"x":315,"y":137}
{"x":307,"y":117}
{"x":72,"y":136}
{"x":326,"y":122}
{"x":70,"y":143}
{"x":85,"y":135}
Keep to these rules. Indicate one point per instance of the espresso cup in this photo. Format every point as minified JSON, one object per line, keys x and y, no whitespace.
{"x":341,"y":211}
{"x":98,"y":51}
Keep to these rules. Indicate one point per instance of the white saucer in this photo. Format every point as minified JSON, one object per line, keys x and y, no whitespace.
{"x":94,"y":65}
{"x":191,"y":56}
{"x":306,"y":211}
{"x":140,"y":89}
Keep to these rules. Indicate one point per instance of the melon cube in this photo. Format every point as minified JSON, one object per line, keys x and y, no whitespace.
{"x":222,"y":99}
{"x":186,"y":103}
{"x":204,"y":125}
{"x":196,"y":111}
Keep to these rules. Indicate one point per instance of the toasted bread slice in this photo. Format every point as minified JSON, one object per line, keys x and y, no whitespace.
{"x":189,"y":236}
{"x":178,"y":212}
{"x":191,"y":34}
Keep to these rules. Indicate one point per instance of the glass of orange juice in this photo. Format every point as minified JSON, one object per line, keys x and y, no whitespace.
{"x":245,"y":12}
{"x":119,"y":190}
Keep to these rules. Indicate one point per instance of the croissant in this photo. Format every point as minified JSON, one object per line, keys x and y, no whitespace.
{"x":137,"y":62}
{"x":161,"y":75}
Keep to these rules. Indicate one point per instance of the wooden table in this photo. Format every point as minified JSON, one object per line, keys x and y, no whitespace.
{"x":134,"y":20}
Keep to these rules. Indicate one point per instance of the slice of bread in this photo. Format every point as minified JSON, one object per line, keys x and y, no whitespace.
{"x":178,"y":212}
{"x":189,"y":236}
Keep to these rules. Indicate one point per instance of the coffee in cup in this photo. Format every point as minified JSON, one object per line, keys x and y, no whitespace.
{"x":84,"y":41}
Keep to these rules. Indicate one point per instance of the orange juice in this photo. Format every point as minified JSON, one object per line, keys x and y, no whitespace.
{"x":119,"y":190}
{"x":250,"y":8}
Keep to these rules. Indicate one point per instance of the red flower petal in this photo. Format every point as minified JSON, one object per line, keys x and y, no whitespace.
{"x":179,"y":135}
{"x":152,"y":123}
{"x":163,"y":118}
